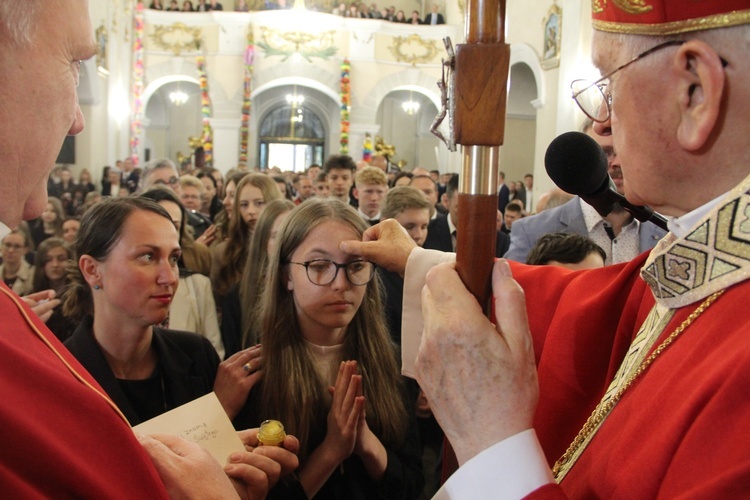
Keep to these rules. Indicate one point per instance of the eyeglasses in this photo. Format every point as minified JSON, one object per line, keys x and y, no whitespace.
{"x":591,"y":95}
{"x":171,"y":181}
{"x":323,"y":272}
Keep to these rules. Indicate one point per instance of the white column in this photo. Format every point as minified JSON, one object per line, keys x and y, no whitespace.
{"x":226,"y":143}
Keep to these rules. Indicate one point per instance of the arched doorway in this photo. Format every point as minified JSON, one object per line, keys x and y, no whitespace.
{"x":518,"y":152}
{"x":292,"y":128}
{"x":173,"y":116}
{"x":407,"y":127}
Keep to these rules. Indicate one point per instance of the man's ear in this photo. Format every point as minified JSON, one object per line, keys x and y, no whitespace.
{"x":355,"y":193}
{"x":89,"y":267}
{"x":700,"y":86}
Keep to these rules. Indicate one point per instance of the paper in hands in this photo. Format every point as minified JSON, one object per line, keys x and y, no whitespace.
{"x":202,"y":421}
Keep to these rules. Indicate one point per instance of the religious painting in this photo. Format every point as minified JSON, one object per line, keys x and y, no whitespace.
{"x":552,"y":37}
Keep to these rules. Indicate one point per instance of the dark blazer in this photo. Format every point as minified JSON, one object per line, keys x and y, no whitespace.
{"x":131,"y":180}
{"x":188,"y":362}
{"x":567,"y":218}
{"x":503,"y":198}
{"x":428,"y":18}
{"x":439,"y":238}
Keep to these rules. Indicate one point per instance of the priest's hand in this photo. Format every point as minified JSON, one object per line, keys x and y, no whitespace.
{"x":186,"y":469}
{"x":42,"y":303}
{"x":480,"y":378}
{"x":386,"y":244}
{"x":258,"y":470}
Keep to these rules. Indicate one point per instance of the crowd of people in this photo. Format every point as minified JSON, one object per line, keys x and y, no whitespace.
{"x":130,"y":288}
{"x":355,"y":10}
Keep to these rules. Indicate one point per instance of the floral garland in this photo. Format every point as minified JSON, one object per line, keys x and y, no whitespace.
{"x":345,"y":106}
{"x":207,"y":137}
{"x":367,"y":148}
{"x":136,"y":117}
{"x":246,"y":103}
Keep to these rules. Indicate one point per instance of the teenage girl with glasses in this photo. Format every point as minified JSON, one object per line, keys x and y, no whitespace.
{"x":330,"y":369}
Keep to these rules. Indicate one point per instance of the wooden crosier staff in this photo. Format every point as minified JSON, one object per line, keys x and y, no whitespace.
{"x":476,"y":102}
{"x":479,"y":99}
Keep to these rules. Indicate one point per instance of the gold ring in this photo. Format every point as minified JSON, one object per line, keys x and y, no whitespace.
{"x":246,"y":367}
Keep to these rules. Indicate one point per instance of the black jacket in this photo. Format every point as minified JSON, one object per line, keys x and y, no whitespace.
{"x":188,"y":363}
{"x":439,"y":238}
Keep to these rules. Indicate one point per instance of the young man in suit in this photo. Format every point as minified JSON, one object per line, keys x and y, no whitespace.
{"x":441,"y":233}
{"x":619,"y":234}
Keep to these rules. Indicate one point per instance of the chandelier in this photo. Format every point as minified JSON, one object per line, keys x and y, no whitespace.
{"x":294,"y":99}
{"x":178,"y":97}
{"x":411,"y":106}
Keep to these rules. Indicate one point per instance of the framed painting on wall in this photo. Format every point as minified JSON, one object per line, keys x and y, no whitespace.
{"x":552,"y":38}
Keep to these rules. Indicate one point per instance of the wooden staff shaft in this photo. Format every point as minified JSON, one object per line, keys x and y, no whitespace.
{"x":479,"y":88}
{"x":480,"y":80}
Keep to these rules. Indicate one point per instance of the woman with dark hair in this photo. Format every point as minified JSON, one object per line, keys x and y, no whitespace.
{"x":51,"y":262}
{"x":50,"y":222}
{"x":330,"y":370}
{"x":193,"y":308}
{"x":210,"y":202}
{"x":123,"y":285}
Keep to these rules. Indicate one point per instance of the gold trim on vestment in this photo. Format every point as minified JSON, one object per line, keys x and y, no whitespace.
{"x":734,"y":18}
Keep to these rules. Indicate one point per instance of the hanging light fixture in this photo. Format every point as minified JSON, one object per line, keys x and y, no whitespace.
{"x":294,"y":99}
{"x":411,"y":106}
{"x":178,"y":97}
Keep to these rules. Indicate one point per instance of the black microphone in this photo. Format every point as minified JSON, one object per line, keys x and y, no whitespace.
{"x":578,"y":165}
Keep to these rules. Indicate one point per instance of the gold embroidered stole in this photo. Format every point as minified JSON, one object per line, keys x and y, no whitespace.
{"x":682,"y":271}
{"x":656,"y":321}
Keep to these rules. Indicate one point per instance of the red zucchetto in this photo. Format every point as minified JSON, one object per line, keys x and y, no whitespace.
{"x":667,"y":17}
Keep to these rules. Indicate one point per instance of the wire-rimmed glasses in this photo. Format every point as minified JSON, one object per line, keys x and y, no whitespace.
{"x":591,"y":96}
{"x":323,"y":272}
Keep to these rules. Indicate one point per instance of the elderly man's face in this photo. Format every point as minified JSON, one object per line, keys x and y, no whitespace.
{"x":38,"y":83}
{"x":636,"y":122}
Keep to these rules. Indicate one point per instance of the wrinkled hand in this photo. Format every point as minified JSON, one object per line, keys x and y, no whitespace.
{"x":187,"y":470}
{"x":233,"y":382}
{"x":260,"y":468}
{"x":42,"y":303}
{"x":475,"y":373}
{"x":346,"y":410}
{"x":208,"y":236}
{"x":386,"y":244}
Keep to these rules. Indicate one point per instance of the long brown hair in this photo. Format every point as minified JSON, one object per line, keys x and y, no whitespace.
{"x":254,"y":274}
{"x":235,"y":253}
{"x":293,"y":391}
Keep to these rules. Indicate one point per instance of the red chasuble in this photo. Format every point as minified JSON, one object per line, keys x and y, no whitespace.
{"x":58,"y":437}
{"x":683,"y":428}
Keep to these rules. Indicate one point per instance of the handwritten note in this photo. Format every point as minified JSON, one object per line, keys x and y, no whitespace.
{"x":202,"y":421}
